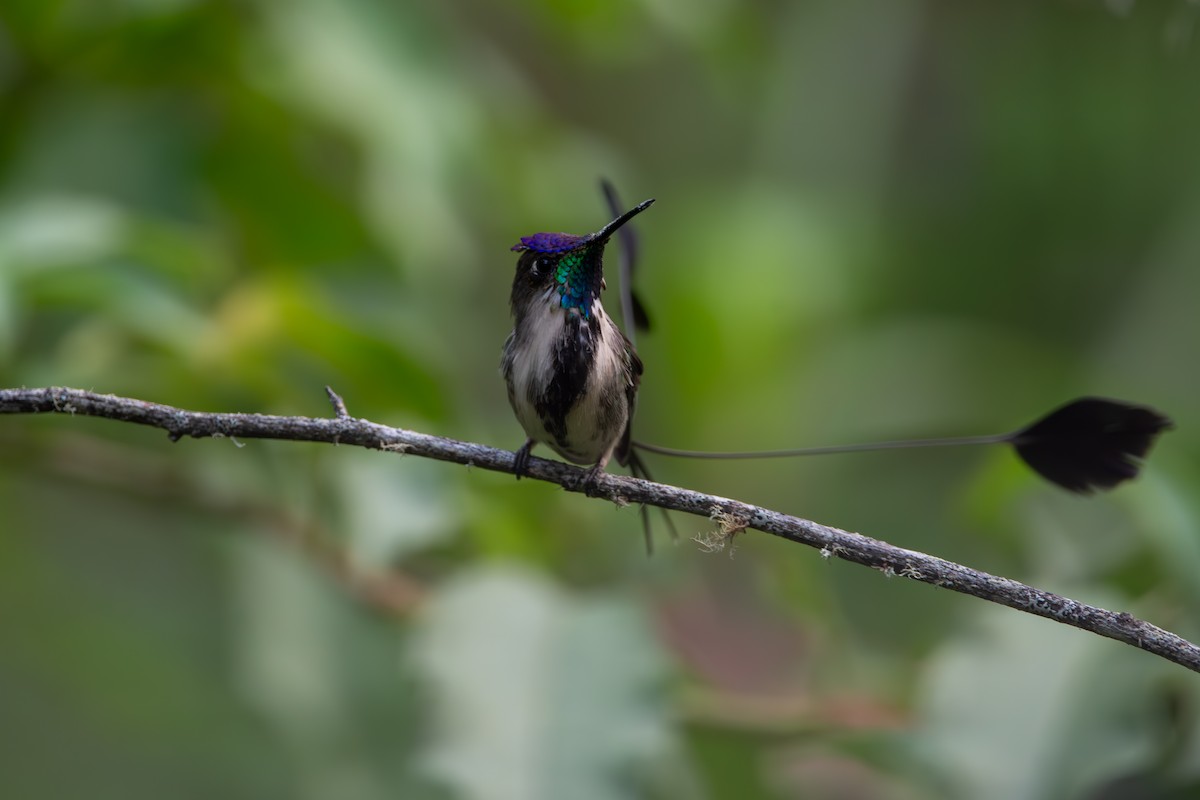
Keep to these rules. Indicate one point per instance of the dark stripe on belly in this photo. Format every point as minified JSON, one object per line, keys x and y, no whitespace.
{"x":573,"y":359}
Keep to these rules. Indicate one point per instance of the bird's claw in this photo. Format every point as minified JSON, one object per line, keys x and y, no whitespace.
{"x":590,"y":483}
{"x":521,"y":459}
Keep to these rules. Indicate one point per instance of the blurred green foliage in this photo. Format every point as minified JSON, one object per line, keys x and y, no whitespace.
{"x":874,"y":220}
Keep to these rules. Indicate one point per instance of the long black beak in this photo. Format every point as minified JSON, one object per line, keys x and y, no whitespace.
{"x":611,"y":228}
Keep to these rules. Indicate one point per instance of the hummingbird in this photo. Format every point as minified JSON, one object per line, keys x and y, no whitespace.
{"x":573,"y":378}
{"x":572,"y":375}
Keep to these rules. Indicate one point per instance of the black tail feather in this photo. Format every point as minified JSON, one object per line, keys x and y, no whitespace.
{"x":633,"y":312}
{"x":638,"y":467}
{"x":1091,"y":443}
{"x":641,"y":319}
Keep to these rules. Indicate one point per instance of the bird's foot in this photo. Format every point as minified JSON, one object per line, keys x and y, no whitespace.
{"x":521,"y":459}
{"x":590,"y":483}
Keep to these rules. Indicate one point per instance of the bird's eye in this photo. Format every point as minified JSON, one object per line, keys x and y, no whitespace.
{"x":533,"y":267}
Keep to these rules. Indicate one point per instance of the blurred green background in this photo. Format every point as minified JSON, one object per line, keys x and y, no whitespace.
{"x":874,"y":220}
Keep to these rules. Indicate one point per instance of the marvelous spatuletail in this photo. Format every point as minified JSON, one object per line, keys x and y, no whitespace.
{"x":572,"y":375}
{"x":573,"y":378}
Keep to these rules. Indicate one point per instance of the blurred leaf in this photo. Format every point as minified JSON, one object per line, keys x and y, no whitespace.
{"x":1023,"y":708}
{"x":348,"y":721}
{"x":529,"y":701}
{"x":56,"y":230}
{"x":392,"y":509}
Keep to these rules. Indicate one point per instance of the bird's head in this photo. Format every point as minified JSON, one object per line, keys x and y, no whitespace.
{"x":564,"y":269}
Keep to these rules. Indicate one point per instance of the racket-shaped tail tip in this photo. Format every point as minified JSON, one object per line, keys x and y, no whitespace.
{"x":1090,"y":444}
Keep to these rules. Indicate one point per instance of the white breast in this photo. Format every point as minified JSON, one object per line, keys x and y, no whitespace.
{"x":531,"y":369}
{"x":532,"y":364}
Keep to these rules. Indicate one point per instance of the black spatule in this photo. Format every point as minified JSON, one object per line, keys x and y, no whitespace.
{"x":1091,"y":443}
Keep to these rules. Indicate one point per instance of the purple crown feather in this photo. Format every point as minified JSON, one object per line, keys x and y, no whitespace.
{"x":550,"y":242}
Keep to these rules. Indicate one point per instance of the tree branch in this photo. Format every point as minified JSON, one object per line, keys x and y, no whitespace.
{"x":731,"y":515}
